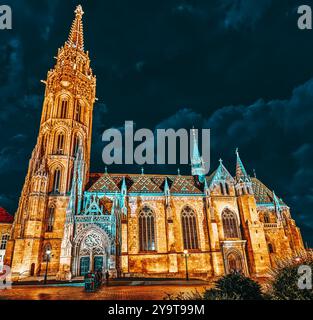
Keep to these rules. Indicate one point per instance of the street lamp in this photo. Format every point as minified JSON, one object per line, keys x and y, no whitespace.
{"x":48,"y":254}
{"x":186,"y":255}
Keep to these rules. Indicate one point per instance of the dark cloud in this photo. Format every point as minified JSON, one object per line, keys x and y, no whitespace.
{"x":244,"y":13}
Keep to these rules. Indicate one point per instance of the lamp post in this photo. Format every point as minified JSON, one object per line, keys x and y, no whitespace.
{"x":48,"y":254}
{"x":186,"y":255}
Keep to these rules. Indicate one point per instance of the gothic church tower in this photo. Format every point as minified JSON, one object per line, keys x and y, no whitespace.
{"x":66,"y":126}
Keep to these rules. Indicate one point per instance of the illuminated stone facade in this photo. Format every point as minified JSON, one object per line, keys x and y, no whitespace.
{"x":133,"y":225}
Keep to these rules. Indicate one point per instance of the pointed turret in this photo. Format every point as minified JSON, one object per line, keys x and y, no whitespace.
{"x":197,"y":166}
{"x":76,"y":37}
{"x":277,"y":205}
{"x":241,"y":173}
{"x":243,"y":181}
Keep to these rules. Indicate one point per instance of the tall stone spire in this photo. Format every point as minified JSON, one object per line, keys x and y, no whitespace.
{"x":197,"y":167}
{"x":241,"y":173}
{"x":76,"y":37}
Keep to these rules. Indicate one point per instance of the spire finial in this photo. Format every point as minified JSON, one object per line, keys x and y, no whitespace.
{"x":178,"y":171}
{"x":237,"y":152}
{"x":142,"y":171}
{"x":106,"y":170}
{"x":76,"y":37}
{"x":79,"y":11}
{"x":254,"y":173}
{"x":221,"y":161}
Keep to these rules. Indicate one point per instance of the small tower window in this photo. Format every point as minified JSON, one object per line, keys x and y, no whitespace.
{"x":4,"y":241}
{"x":222,"y":188}
{"x":76,"y":144}
{"x":56,"y":181}
{"x":60,"y":144}
{"x":50,"y":220}
{"x":270,"y":248}
{"x":227,"y":188}
{"x":78,"y":111}
{"x":64,"y":104}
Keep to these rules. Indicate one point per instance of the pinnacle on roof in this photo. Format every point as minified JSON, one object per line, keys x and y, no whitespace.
{"x":241,"y":173}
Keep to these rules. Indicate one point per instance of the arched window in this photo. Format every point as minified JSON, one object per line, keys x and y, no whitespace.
{"x":76,"y":144}
{"x":227,"y":188}
{"x":146,"y":229}
{"x":78,"y":111}
{"x":50,"y":219}
{"x":4,"y":241}
{"x":222,"y":188}
{"x":56,"y":181}
{"x":44,"y":144}
{"x":60,"y":144}
{"x":270,"y":248}
{"x":63,"y":112}
{"x":45,"y":256}
{"x":189,"y":225}
{"x":230,"y":225}
{"x":266,"y":218}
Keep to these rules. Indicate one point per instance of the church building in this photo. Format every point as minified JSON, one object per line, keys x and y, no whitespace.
{"x":134,"y":225}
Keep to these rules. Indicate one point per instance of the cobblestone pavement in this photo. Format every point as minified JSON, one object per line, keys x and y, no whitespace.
{"x":155,"y":292}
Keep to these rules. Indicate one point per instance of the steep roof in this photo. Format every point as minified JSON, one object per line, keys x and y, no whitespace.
{"x":263,"y":195}
{"x":5,"y":217}
{"x":145,"y":183}
{"x":178,"y":184}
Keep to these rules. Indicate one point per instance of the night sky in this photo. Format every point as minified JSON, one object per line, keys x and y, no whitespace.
{"x":239,"y":67}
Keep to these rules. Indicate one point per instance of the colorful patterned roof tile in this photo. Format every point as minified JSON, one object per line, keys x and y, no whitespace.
{"x":263,"y":195}
{"x":138,"y":183}
{"x":5,"y":217}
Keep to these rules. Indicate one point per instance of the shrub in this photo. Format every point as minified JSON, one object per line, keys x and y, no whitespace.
{"x":234,"y":286}
{"x":283,"y":284}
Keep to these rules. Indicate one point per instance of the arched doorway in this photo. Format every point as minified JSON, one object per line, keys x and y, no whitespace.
{"x":234,"y":262}
{"x":91,"y":252}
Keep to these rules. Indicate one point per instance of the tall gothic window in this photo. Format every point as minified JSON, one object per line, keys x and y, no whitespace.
{"x":76,"y":144}
{"x":50,"y":219}
{"x":4,"y":241}
{"x":146,"y":229}
{"x":230,"y":224}
{"x":189,"y":225}
{"x":63,"y":113}
{"x":267,"y":218}
{"x":78,"y":111}
{"x":60,"y":144}
{"x":56,"y":181}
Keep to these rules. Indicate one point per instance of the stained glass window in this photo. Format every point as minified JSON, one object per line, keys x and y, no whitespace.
{"x":189,"y":225}
{"x":230,"y":224}
{"x":146,"y":229}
